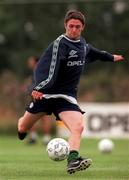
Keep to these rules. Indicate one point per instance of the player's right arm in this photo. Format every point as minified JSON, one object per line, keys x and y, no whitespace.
{"x":47,"y":69}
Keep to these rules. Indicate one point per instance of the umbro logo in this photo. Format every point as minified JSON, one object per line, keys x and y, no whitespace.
{"x":72,"y":53}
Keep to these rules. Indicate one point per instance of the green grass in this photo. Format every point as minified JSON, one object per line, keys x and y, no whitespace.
{"x":19,"y":161}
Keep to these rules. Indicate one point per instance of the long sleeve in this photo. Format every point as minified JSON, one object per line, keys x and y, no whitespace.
{"x":94,"y":54}
{"x":48,"y":66}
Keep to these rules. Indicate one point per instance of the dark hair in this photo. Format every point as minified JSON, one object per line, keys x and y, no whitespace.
{"x":74,"y":14}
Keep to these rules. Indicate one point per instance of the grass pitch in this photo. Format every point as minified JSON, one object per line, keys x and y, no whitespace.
{"x":19,"y":161}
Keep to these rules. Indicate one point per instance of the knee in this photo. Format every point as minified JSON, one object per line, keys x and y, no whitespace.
{"x":21,"y":127}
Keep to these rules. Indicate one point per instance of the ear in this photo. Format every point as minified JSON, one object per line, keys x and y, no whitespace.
{"x":65,"y":25}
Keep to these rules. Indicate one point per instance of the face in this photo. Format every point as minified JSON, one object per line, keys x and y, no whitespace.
{"x":73,"y":28}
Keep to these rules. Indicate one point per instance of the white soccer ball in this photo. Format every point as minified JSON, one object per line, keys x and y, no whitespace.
{"x":105,"y":145}
{"x":58,"y":149}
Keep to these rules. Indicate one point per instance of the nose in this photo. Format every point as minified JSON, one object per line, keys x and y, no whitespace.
{"x":74,"y":29}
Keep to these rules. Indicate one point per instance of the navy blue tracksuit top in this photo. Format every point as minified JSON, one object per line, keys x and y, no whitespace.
{"x":60,"y":67}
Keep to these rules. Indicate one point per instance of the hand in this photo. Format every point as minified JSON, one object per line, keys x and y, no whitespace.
{"x":37,"y":95}
{"x":118,"y":57}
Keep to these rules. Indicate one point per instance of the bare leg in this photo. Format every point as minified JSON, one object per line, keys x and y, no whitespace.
{"x":26,"y":122}
{"x":46,"y":129}
{"x":73,"y":120}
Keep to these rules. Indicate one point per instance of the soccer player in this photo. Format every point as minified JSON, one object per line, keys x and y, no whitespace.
{"x":56,"y":84}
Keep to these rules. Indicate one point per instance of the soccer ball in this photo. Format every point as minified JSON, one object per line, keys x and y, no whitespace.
{"x":58,"y":149}
{"x":105,"y":146}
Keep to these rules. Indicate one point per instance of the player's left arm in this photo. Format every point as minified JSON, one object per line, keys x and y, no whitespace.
{"x":94,"y":54}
